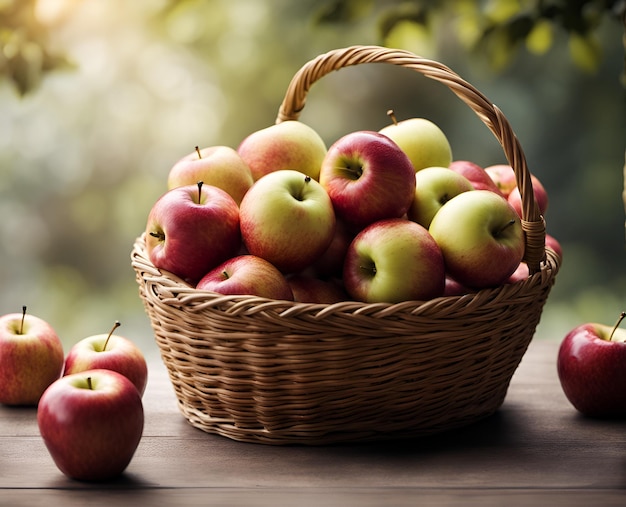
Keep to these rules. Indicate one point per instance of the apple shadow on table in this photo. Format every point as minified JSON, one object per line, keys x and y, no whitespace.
{"x":490,"y":431}
{"x":127,"y":480}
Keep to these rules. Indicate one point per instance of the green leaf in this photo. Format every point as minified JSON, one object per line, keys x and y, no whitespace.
{"x":500,"y":11}
{"x":413,"y":37}
{"x":585,"y":51}
{"x":406,"y":12}
{"x":540,"y":38}
{"x":342,"y":11}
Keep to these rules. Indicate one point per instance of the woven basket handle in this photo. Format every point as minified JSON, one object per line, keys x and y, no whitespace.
{"x":295,"y":98}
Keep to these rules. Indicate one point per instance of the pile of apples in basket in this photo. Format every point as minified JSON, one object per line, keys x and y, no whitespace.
{"x":378,"y":216}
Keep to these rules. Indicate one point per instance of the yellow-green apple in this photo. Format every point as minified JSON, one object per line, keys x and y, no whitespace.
{"x":503,"y":176}
{"x":247,"y":274}
{"x":368,"y":178}
{"x":422,"y":140}
{"x":192,"y":229}
{"x":481,"y":238}
{"x":109,"y":352}
{"x":590,"y":365}
{"x":541,"y":196}
{"x":91,"y":423}
{"x":434,"y":186}
{"x":394,"y":260}
{"x":477,"y":176}
{"x":308,"y":288}
{"x":220,"y":166}
{"x":287,"y":145}
{"x":287,"y":218}
{"x":31,"y":358}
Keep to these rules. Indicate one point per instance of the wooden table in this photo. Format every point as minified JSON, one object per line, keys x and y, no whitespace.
{"x":536,"y":450}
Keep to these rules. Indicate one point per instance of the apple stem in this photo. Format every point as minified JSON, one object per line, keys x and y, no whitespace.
{"x":198,"y":152}
{"x":392,"y":115}
{"x":159,"y":235}
{"x":89,"y":385}
{"x":200,"y":183}
{"x":115,"y":326}
{"x":619,"y":321}
{"x":307,"y":180}
{"x":23,"y":317}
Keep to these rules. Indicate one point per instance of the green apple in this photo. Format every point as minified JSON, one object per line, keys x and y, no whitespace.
{"x":434,"y":186}
{"x":394,"y":260}
{"x":287,"y":218}
{"x":480,"y":235}
{"x":220,"y":166}
{"x":286,"y":145}
{"x":423,"y":141}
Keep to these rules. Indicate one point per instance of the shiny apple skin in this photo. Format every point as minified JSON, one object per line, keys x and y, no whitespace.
{"x":91,"y":434}
{"x":592,"y":371}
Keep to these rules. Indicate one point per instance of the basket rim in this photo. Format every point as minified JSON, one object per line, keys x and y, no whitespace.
{"x":182,"y":292}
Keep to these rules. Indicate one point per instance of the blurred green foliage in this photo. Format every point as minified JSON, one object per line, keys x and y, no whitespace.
{"x":493,"y":29}
{"x":85,"y":146}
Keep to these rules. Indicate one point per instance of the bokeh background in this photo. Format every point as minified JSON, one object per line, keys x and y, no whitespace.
{"x":99,"y":98}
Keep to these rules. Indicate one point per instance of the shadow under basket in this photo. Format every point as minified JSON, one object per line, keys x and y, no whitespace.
{"x":280,"y":372}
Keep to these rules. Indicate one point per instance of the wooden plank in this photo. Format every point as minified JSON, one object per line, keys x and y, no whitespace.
{"x":263,"y":497}
{"x":535,"y":445}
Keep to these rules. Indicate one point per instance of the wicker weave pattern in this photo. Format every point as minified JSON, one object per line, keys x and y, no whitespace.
{"x":280,"y":372}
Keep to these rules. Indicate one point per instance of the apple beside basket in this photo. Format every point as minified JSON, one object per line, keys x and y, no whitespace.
{"x":281,"y":372}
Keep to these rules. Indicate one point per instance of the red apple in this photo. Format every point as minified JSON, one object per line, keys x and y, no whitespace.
{"x":368,"y":178}
{"x":481,"y":238}
{"x":541,"y":197}
{"x":247,"y":274}
{"x":454,"y":288}
{"x":109,"y":352}
{"x":287,"y":218}
{"x":287,"y":145}
{"x":192,"y":229}
{"x":394,"y":260}
{"x":590,"y":366}
{"x":477,"y":176}
{"x":503,"y":175}
{"x":310,"y":289}
{"x":91,"y":423}
{"x":220,"y":166}
{"x":330,"y":263}
{"x":554,"y":245}
{"x":521,"y":273}
{"x":31,"y":358}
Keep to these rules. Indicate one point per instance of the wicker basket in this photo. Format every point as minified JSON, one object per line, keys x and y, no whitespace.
{"x":279,"y":372}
